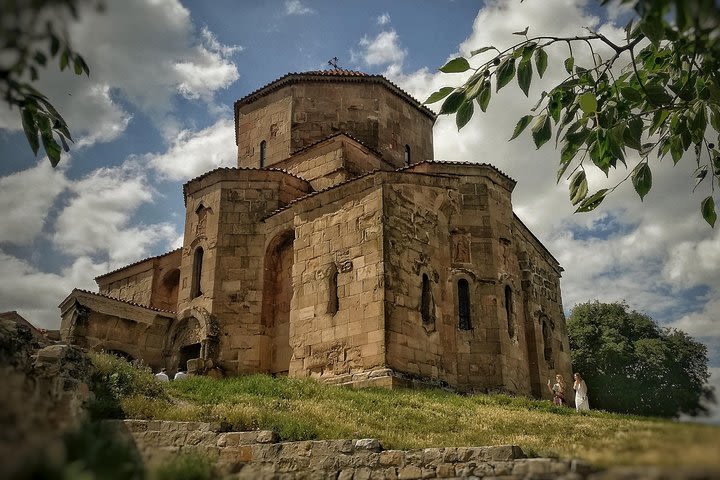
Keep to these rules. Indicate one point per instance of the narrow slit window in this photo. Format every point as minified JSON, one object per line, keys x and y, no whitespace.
{"x":463,"y":290}
{"x":426,"y":302}
{"x":547,"y":340}
{"x":333,"y":297}
{"x":262,"y":153}
{"x":195,"y":290}
{"x":407,"y":154}
{"x":509,"y":311}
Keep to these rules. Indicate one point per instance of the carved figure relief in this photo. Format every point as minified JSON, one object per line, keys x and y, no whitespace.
{"x":201,"y":212}
{"x":460,"y":247}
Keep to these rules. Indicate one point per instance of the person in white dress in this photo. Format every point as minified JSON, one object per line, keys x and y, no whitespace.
{"x":581,"y":397}
{"x":180,"y":375}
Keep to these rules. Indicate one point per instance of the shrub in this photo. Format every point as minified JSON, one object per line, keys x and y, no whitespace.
{"x":115,"y":379}
{"x":189,"y":466}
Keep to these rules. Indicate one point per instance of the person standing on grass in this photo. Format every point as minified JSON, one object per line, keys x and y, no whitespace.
{"x":180,"y":375}
{"x":557,"y":390}
{"x":581,"y":398}
{"x":162,"y":376}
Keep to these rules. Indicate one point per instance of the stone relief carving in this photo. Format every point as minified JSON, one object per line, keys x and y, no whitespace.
{"x":460,"y":243}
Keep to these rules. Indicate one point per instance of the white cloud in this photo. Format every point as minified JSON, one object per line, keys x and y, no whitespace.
{"x":96,"y":219}
{"x":193,"y":153}
{"x":383,"y":19}
{"x":702,"y":323}
{"x":36,"y":294}
{"x":211,"y":43}
{"x":296,"y":7}
{"x":25,"y":200}
{"x":647,"y":253}
{"x":384,"y":49}
{"x":160,"y":58}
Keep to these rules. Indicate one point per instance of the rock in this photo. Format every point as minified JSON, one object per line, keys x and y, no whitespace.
{"x":371,"y":444}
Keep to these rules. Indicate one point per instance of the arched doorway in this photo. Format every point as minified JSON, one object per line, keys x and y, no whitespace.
{"x":277,"y":295}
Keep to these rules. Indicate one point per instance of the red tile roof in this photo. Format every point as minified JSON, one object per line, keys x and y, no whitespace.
{"x":119,"y":300}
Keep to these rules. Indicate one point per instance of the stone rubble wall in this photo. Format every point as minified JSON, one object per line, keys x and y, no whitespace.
{"x":44,"y":390}
{"x":258,"y":455}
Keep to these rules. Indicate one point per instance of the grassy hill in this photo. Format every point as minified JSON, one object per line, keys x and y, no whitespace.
{"x":299,"y":409}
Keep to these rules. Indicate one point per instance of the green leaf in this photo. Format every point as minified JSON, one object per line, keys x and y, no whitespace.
{"x":657,"y":95}
{"x":631,"y":94}
{"x":524,"y":75}
{"x":54,"y":44}
{"x":40,"y":58}
{"x":521,"y":125}
{"x":658,"y":118}
{"x":439,"y":95}
{"x":676,"y":148}
{"x":452,"y":103}
{"x":569,"y":63}
{"x":698,"y":122}
{"x":30,"y":128}
{"x":578,"y":187}
{"x":633,"y":133}
{"x":456,"y":65}
{"x":588,"y":102}
{"x":707,"y":207}
{"x":77,"y":65}
{"x":652,"y":27}
{"x":64,"y":59}
{"x":464,"y":114}
{"x":541,"y":130}
{"x":699,"y":177}
{"x":541,"y":61}
{"x":52,"y":149}
{"x":484,"y":97}
{"x":481,"y":50}
{"x":715,"y":117}
{"x":642,"y":179}
{"x":592,"y":202}
{"x":505,"y":72}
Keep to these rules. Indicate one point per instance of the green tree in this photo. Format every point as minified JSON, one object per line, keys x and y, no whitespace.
{"x":32,"y":32}
{"x":631,"y":365}
{"x":657,"y":92}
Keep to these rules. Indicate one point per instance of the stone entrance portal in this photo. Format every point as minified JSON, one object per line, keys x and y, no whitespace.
{"x":188,"y":352}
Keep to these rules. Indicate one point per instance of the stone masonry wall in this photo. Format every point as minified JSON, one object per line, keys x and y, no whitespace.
{"x":338,"y":255}
{"x":136,"y":288}
{"x":235,"y":233}
{"x":258,"y":455}
{"x":268,"y":120}
{"x":370,"y":112}
{"x":542,"y":302}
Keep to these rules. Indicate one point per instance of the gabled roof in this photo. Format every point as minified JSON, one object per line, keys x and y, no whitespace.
{"x":406,"y":169}
{"x":136,"y":263}
{"x":235,"y":169}
{"x":102,"y":295}
{"x":333,"y":75}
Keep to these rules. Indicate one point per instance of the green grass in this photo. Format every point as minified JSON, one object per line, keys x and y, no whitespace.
{"x":302,"y":409}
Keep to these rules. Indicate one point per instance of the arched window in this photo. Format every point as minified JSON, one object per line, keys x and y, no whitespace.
{"x":463,"y":290}
{"x":262,"y":154}
{"x":509,"y":311}
{"x":333,"y":297}
{"x":195,"y":290}
{"x":407,"y":154}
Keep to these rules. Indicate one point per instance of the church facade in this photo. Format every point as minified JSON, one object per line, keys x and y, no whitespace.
{"x":340,"y":249}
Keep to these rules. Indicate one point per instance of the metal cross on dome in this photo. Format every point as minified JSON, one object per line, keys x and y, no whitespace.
{"x":334,"y":63}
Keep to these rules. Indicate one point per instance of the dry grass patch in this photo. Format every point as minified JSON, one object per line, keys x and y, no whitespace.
{"x":300,"y":409}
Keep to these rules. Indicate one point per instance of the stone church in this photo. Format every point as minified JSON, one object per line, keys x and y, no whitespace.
{"x":340,"y":249}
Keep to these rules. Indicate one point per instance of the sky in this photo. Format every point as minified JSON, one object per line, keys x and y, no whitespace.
{"x":156,"y":111}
